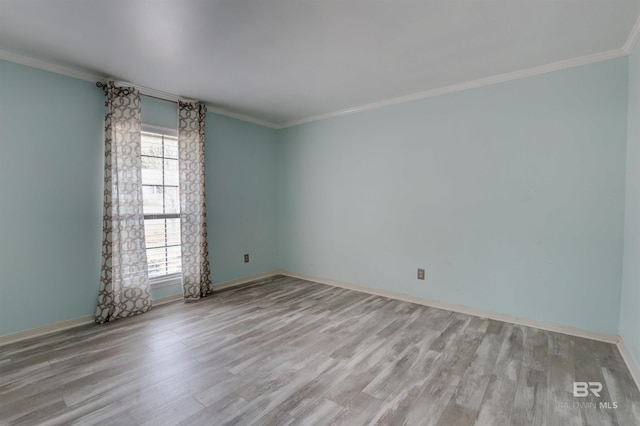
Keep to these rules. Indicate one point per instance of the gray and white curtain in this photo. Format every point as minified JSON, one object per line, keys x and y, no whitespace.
{"x":124,"y":279}
{"x":196,"y":282}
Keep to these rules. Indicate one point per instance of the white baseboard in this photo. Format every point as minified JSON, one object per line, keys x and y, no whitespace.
{"x":216,"y":287}
{"x":89,"y":319}
{"x":240,"y":281}
{"x":167,"y":299}
{"x":631,"y":364}
{"x":558,"y":328}
{"x":572,"y":331}
{"x":46,"y":329}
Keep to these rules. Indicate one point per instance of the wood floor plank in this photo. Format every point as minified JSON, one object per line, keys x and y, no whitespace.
{"x":400,"y":402}
{"x":320,"y":413}
{"x":531,"y":403}
{"x":287,"y":351}
{"x":359,"y":410}
{"x":226,"y":407}
{"x":172,"y":413}
{"x":475,"y":379}
{"x":158,"y":396}
{"x":624,"y":393}
{"x":393,"y":375}
{"x":561,"y":371}
{"x":457,"y":415}
{"x":586,"y":370}
{"x":497,"y":405}
{"x":560,"y":411}
{"x":511,"y":354}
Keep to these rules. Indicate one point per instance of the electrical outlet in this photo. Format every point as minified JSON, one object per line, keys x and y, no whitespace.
{"x":420,"y":274}
{"x":246,"y":258}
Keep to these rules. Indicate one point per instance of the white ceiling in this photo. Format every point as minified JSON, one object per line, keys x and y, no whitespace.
{"x":283,"y":61}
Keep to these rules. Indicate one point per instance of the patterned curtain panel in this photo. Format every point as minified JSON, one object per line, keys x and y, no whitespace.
{"x":196,"y":282}
{"x":124,"y":280}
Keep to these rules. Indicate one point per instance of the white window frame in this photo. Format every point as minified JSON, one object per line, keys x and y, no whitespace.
{"x":172,"y":279}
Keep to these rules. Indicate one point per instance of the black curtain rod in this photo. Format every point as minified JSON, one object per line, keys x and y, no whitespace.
{"x":151,"y":93}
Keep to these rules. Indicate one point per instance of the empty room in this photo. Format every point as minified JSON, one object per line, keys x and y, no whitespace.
{"x":306,"y":212}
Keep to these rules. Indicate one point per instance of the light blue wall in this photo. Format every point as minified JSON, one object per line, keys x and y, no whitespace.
{"x":240,"y":176}
{"x":51,"y":163}
{"x":511,"y":196}
{"x":51,"y":171}
{"x":630,"y":301}
{"x":159,"y":113}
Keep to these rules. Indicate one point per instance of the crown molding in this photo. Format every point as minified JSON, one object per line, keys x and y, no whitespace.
{"x":211,"y":108}
{"x":147,"y":91}
{"x":153,"y":93}
{"x":49,"y":66}
{"x":633,"y":38}
{"x":242,"y":117}
{"x":529,"y":72}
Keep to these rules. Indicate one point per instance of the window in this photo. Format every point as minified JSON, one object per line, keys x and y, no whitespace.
{"x":161,"y":202}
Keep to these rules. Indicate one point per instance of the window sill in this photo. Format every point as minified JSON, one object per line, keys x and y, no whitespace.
{"x":167,"y":281}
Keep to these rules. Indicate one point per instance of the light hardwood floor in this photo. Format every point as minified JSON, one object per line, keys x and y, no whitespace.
{"x":285,"y":351}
